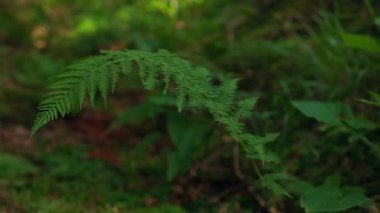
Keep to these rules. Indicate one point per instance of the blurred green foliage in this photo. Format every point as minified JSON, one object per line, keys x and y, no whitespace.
{"x":314,"y":65}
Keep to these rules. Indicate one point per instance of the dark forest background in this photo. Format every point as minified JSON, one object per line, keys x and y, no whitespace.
{"x":314,"y":64}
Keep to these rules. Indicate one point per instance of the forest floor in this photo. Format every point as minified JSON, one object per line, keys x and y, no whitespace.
{"x":75,"y":165}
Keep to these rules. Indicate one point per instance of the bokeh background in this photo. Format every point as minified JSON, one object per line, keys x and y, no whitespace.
{"x":326,"y":51}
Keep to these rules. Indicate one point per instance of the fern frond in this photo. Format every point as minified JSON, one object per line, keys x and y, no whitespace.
{"x":192,"y":86}
{"x":180,"y":91}
{"x":91,"y":81}
{"x":245,"y":107}
{"x":114,"y":76}
{"x":126,"y":66}
{"x":103,"y":83}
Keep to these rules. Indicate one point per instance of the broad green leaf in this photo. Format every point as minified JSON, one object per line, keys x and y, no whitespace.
{"x":12,"y":166}
{"x":297,"y":186}
{"x":136,"y":114}
{"x":333,"y":180}
{"x":377,"y":22}
{"x":327,"y":112}
{"x":143,"y":147}
{"x":178,"y":164}
{"x":362,"y":42}
{"x":187,"y":135}
{"x":329,"y":198}
{"x":361,"y":124}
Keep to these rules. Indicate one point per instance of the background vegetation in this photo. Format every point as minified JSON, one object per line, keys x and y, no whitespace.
{"x":314,"y":66}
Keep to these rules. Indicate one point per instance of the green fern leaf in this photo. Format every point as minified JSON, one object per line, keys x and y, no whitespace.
{"x":193,"y":84}
{"x":180,"y":92}
{"x":245,"y":107}
{"x":114,"y":76}
{"x":103,"y":84}
{"x":126,"y":66}
{"x":91,"y":86}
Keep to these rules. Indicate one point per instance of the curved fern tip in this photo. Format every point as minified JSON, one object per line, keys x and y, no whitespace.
{"x":33,"y":131}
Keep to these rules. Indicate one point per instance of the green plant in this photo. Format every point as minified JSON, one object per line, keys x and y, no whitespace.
{"x":189,"y":135}
{"x":12,"y":166}
{"x":193,"y":86}
{"x":368,"y":44}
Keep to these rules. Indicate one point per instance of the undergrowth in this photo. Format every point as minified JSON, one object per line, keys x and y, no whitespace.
{"x":322,"y":75}
{"x":196,"y":88}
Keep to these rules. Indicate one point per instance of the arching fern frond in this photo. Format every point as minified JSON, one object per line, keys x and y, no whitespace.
{"x":192,"y":86}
